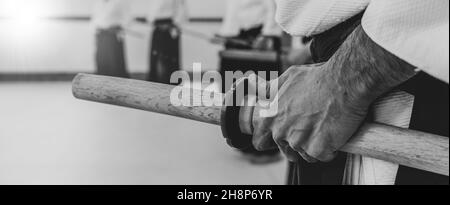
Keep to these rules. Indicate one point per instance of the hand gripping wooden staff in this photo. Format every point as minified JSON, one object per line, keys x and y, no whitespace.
{"x":401,"y":146}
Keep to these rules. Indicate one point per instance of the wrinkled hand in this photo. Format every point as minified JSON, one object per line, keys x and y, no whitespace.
{"x":321,"y":106}
{"x":316,"y":115}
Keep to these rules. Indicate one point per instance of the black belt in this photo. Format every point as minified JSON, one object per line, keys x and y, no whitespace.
{"x":111,"y":30}
{"x":163,"y":22}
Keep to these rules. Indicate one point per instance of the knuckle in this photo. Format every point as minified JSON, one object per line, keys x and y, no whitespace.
{"x":258,"y":144}
{"x":296,"y":146}
{"x":307,"y":157}
{"x":260,"y":147}
{"x":279,"y":140}
{"x":291,"y":157}
{"x":321,"y":153}
{"x":262,"y":141}
{"x":327,"y":156}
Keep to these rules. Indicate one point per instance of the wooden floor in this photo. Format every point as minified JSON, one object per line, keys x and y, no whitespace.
{"x":48,"y":137}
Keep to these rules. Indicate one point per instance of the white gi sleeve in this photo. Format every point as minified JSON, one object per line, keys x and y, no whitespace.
{"x":230,"y":26}
{"x":310,"y":17}
{"x":181,"y":12}
{"x":112,"y":13}
{"x":271,"y":27}
{"x":416,"y":31}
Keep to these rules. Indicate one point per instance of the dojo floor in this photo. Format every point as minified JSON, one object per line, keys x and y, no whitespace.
{"x":48,"y":137}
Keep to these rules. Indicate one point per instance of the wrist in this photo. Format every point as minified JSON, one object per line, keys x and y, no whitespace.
{"x":364,"y":70}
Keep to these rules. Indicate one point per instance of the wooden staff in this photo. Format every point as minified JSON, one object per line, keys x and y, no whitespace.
{"x":195,"y":34}
{"x":401,"y":146}
{"x":254,"y":55}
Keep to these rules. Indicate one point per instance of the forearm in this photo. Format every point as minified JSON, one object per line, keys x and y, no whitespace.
{"x":364,"y":69}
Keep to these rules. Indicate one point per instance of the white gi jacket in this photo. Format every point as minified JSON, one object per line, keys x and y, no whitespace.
{"x":176,"y":10}
{"x":111,"y":13}
{"x":416,"y":31}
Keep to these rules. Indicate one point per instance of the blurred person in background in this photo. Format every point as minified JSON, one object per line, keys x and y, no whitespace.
{"x":252,"y":22}
{"x":363,"y":49}
{"x":250,"y":25}
{"x":166,"y":16}
{"x":110,"y":19}
{"x":298,"y":53}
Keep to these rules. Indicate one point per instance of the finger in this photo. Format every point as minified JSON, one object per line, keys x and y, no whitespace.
{"x":239,"y":88}
{"x":298,"y":138}
{"x":312,"y":145}
{"x":288,"y":152}
{"x":315,"y":149}
{"x":264,"y":142}
{"x":306,"y":156}
{"x":255,"y":84}
{"x":297,"y":148}
{"x":292,"y":155}
{"x":262,"y":134}
{"x":266,"y":91}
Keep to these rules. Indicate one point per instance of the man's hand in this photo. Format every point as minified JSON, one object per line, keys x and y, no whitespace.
{"x":316,"y":115}
{"x":321,"y":106}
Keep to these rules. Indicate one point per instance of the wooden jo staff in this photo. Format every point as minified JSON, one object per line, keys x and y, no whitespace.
{"x":216,"y":39}
{"x":401,"y":146}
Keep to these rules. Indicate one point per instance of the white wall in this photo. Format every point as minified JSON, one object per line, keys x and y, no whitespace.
{"x":68,"y":46}
{"x":198,"y":8}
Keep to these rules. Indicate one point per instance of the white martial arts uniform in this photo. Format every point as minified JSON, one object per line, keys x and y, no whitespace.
{"x":112,"y":13}
{"x":248,"y":14}
{"x":175,"y":10}
{"x":416,"y":31}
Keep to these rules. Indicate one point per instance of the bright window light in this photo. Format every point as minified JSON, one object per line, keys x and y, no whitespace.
{"x":22,"y":9}
{"x":23,"y":16}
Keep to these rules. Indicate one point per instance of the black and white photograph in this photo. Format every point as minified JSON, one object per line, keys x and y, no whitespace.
{"x":247,"y":94}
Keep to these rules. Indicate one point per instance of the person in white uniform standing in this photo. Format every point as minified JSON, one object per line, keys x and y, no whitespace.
{"x":110,"y":19}
{"x":166,"y":16}
{"x":363,"y":49}
{"x":251,"y":21}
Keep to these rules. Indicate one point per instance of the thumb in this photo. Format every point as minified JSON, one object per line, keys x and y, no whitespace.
{"x":259,"y":86}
